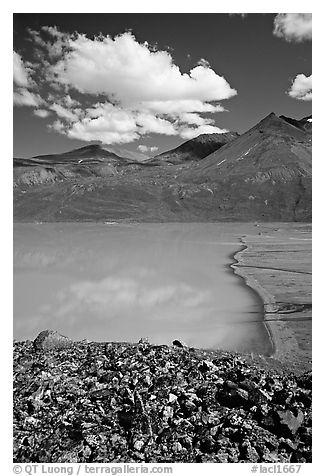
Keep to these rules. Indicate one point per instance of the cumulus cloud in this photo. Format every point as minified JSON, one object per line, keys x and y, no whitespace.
{"x":21,"y":73}
{"x":116,"y":128}
{"x":65,"y":113}
{"x":190,"y":132}
{"x":195,"y":119}
{"x":58,"y":126}
{"x":295,"y":27}
{"x":114,"y":124}
{"x":301,"y":88}
{"x":180,"y":106}
{"x":55,"y":43}
{"x":128,"y":89}
{"x":70,"y":102}
{"x":130,"y":72}
{"x":23,"y":82}
{"x":203,"y":62}
{"x":23,"y":97}
{"x":146,"y":148}
{"x":41,"y":113}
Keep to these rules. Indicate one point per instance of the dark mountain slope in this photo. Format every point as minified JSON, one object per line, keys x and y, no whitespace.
{"x":304,"y":124}
{"x":196,"y":149}
{"x":263,"y":174}
{"x":272,"y":144}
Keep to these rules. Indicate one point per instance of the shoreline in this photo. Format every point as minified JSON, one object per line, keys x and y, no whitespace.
{"x":248,"y":284}
{"x":284,"y":337}
{"x":262,"y":294}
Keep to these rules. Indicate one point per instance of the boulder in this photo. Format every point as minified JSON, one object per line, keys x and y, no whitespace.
{"x":290,"y":423}
{"x":179,"y":343}
{"x":51,"y":340}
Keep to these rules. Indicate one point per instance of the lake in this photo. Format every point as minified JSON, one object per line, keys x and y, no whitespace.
{"x":121,"y":282}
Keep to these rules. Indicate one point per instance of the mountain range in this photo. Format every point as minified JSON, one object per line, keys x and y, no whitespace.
{"x":263,"y":174}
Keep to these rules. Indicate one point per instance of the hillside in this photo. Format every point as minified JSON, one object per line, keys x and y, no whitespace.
{"x":265,"y":173}
{"x":87,"y":162}
{"x":196,"y":149}
{"x":304,"y":124}
{"x":89,"y":153}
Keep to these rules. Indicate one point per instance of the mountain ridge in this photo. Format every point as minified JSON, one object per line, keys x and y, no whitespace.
{"x":196,"y":148}
{"x":88,"y":152}
{"x":264,"y":174}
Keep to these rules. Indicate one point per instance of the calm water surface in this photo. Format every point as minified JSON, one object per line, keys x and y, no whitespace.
{"x":123,"y":282}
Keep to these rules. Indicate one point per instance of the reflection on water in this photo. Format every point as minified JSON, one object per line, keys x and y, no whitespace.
{"x":123,"y":282}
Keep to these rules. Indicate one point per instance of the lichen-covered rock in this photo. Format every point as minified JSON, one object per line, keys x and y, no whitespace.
{"x":180,"y":344}
{"x":291,"y":422}
{"x":50,"y":340}
{"x":118,"y":402}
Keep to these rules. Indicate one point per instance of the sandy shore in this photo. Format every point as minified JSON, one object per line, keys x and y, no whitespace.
{"x":276,"y":263}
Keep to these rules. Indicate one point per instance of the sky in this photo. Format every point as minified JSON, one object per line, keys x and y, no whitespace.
{"x":140,"y":84}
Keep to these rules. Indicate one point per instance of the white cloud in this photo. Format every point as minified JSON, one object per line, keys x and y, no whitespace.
{"x":194,"y":119}
{"x":64,"y":113}
{"x":42,"y":113}
{"x":131,"y":72}
{"x":36,"y":38}
{"x":190,"y":133}
{"x":54,"y":32}
{"x":106,"y":123}
{"x":23,"y":81}
{"x":58,"y":126}
{"x":203,"y":62}
{"x":293,"y":26}
{"x":301,"y":88}
{"x":70,"y":102}
{"x":21,"y":74}
{"x":152,"y":124}
{"x":57,"y":40}
{"x":141,"y":89}
{"x":146,"y":148}
{"x":113,"y":124}
{"x":23,"y":97}
{"x":180,"y":106}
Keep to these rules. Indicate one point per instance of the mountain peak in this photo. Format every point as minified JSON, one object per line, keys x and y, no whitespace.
{"x":91,"y":147}
{"x":271,"y":118}
{"x":92,"y":152}
{"x":279,"y":126}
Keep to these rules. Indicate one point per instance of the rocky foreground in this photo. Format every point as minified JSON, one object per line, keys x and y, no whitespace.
{"x":118,"y":402}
